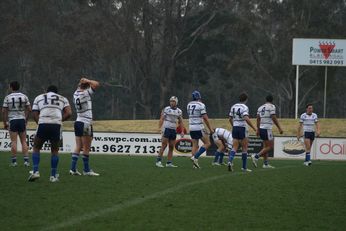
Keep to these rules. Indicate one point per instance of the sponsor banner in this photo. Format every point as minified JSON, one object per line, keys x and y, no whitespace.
{"x":330,"y":149}
{"x":289,"y":147}
{"x":108,"y":143}
{"x":319,"y":52}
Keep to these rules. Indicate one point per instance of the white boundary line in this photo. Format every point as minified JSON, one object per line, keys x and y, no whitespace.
{"x":140,"y":200}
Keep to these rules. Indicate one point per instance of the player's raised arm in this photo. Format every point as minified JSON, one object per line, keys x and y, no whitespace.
{"x":93,"y":83}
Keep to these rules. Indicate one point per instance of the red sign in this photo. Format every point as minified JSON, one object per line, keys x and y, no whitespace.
{"x":327,"y":48}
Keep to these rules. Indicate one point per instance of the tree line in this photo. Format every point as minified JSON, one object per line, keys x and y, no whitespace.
{"x":144,"y":51}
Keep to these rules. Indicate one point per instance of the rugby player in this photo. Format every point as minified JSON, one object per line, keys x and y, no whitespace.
{"x":308,"y":121}
{"x":83,"y":125}
{"x":197,"y":114}
{"x":266,"y":115}
{"x":239,"y":118}
{"x":167,"y":124}
{"x":223,"y":140}
{"x":15,"y":111}
{"x":49,"y":110}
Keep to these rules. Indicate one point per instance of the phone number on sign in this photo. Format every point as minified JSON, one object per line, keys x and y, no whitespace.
{"x":326,"y":62}
{"x":125,"y":149}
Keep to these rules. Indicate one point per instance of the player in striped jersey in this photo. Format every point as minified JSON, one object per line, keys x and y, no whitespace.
{"x":223,"y":140}
{"x":308,"y":121}
{"x":239,"y":119}
{"x":197,"y":114}
{"x":15,"y":110}
{"x":83,"y":125}
{"x":266,"y":115}
{"x":49,"y":110}
{"x":168,"y":121}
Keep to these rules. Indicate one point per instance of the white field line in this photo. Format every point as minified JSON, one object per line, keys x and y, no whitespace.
{"x":136,"y":201}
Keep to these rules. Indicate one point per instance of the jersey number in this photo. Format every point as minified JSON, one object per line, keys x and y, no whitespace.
{"x":20,"y":102}
{"x":192,"y":109}
{"x":236,"y":113}
{"x":263,"y":111}
{"x":53,"y":101}
{"x":78,"y":104}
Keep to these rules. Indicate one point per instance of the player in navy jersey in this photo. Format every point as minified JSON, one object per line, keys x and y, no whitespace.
{"x":49,"y":110}
{"x":168,"y":122}
{"x":197,"y":115}
{"x":15,"y":111}
{"x":83,"y":125}
{"x":239,"y":119}
{"x":308,"y":121}
{"x":223,"y":140}
{"x":266,"y":115}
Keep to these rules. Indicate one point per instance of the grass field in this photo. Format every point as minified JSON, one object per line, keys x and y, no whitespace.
{"x":132,"y":194}
{"x":329,"y":127}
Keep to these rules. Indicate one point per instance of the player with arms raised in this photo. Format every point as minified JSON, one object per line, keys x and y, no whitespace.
{"x":197,"y":114}
{"x":266,"y":115}
{"x":308,"y":121}
{"x":83,"y":125}
{"x":49,"y":110}
{"x":15,"y":113}
{"x":167,"y":124}
{"x":239,"y":118}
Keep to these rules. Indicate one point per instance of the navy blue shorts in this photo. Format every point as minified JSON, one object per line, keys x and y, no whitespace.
{"x":83,"y":129}
{"x":17,"y":125}
{"x":51,"y":132}
{"x":266,"y":134}
{"x":196,"y":135}
{"x":239,"y":133}
{"x":170,"y":134}
{"x":309,"y":135}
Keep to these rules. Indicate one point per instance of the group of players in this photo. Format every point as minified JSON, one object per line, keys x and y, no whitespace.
{"x":225,"y":140}
{"x":49,"y":110}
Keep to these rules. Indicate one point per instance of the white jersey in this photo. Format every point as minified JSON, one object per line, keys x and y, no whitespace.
{"x":265,"y":112}
{"x":50,"y":105}
{"x":171,"y":116}
{"x":238,"y":112}
{"x":224,"y":134}
{"x":16,"y":103}
{"x":83,"y":104}
{"x":308,"y":122}
{"x":196,"y":110}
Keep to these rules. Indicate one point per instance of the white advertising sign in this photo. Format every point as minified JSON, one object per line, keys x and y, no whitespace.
{"x":319,"y":52}
{"x":289,"y":147}
{"x":108,"y":143}
{"x":330,"y":149}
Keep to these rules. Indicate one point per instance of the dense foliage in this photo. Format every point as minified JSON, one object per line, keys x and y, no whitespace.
{"x":143,"y":51}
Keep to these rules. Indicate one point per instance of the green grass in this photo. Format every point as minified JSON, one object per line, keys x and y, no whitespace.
{"x":132,"y":194}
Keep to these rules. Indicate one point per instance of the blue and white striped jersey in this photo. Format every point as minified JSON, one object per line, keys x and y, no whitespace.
{"x":50,"y":105}
{"x":238,"y":112}
{"x":308,"y":121}
{"x":15,"y":104}
{"x":171,"y":116}
{"x":83,"y":105}
{"x":196,"y":110}
{"x":265,"y":112}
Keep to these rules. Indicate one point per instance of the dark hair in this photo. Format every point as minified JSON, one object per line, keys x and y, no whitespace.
{"x":52,"y":88}
{"x":84,"y":85}
{"x":243,"y":97}
{"x":269,"y":98}
{"x":15,"y":85}
{"x":308,"y":105}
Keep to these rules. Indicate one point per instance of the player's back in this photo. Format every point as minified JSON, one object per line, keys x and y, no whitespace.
{"x":265,"y":112}
{"x":196,"y":110}
{"x":224,"y":133}
{"x":238,"y":112}
{"x":83,"y":104}
{"x":50,"y":105}
{"x":16,"y":103}
{"x":171,"y":116}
